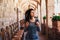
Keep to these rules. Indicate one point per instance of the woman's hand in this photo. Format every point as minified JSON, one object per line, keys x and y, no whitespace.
{"x":37,"y":23}
{"x":27,"y":24}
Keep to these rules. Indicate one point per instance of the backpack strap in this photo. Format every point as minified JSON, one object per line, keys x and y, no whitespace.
{"x":38,"y":29}
{"x":36,"y":20}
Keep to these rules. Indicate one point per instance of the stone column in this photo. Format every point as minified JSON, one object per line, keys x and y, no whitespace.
{"x":50,"y":12}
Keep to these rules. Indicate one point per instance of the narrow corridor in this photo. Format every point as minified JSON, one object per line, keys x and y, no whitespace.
{"x":13,"y":14}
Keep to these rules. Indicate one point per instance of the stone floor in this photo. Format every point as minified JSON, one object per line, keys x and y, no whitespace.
{"x":42,"y":37}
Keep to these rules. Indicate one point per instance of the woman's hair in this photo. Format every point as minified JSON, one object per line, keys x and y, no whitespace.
{"x":27,"y":15}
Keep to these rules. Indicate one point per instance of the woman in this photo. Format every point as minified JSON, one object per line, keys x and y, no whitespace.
{"x":32,"y":25}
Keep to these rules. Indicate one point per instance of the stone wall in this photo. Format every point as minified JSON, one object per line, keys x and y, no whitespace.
{"x":7,"y":13}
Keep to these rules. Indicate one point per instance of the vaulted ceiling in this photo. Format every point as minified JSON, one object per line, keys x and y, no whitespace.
{"x":25,"y":4}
